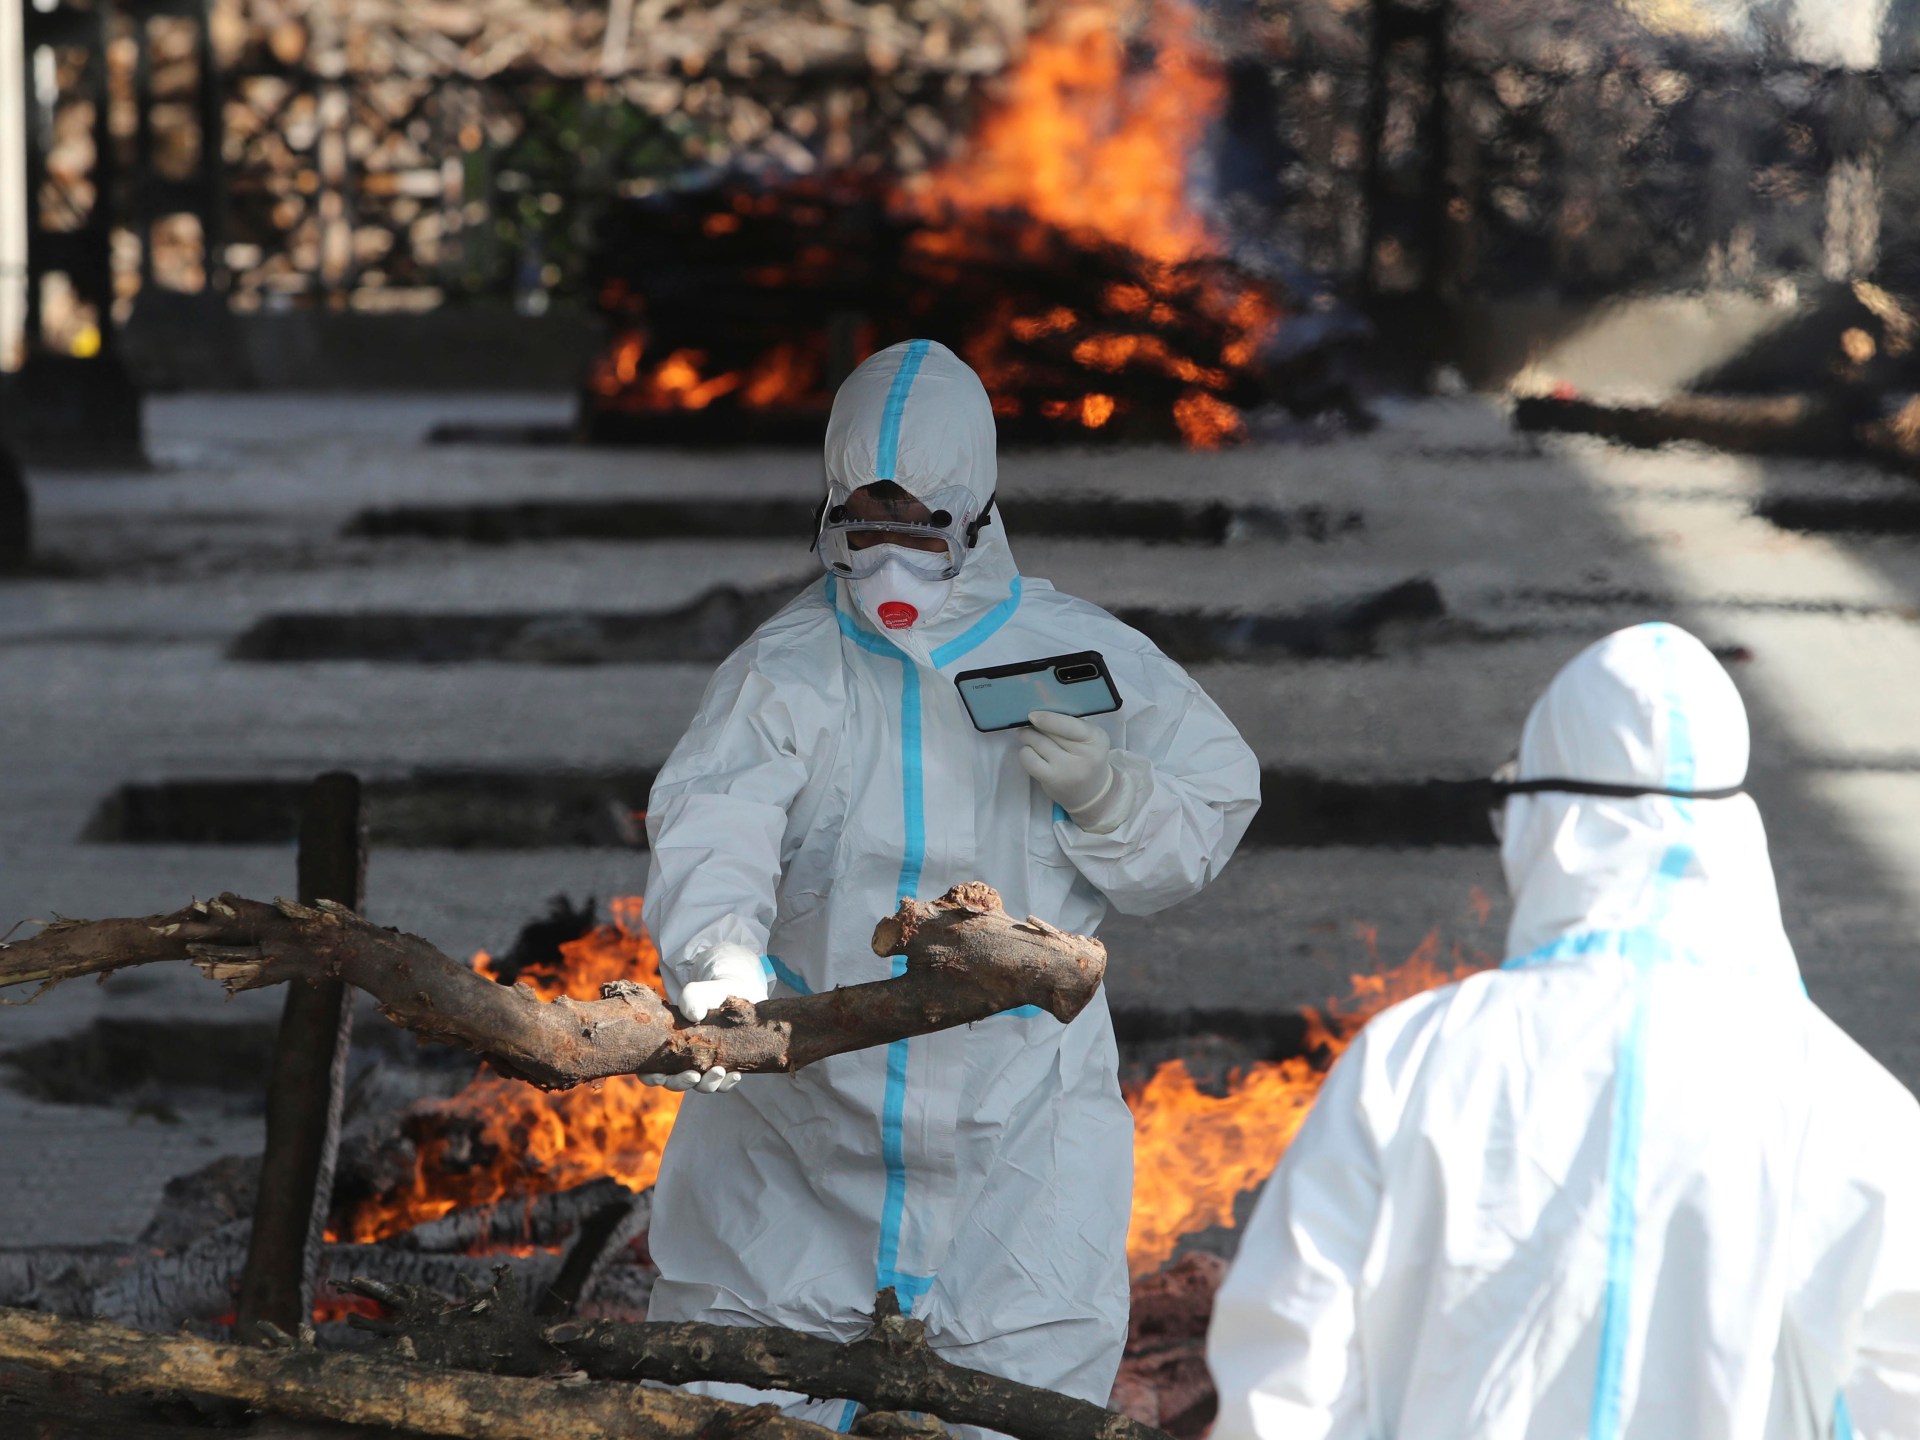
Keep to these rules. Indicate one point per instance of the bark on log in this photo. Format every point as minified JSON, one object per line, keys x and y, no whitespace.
{"x":314,"y":1385}
{"x":890,"y":1369}
{"x":967,"y":959}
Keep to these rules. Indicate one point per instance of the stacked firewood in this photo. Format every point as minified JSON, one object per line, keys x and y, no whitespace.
{"x":356,"y":130}
{"x":690,"y":38}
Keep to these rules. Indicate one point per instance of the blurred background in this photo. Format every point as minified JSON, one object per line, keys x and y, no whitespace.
{"x":434,"y":392}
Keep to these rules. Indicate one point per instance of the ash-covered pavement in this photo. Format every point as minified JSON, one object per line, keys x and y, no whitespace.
{"x":114,"y":670}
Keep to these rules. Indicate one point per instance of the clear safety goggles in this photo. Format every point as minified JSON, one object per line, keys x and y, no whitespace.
{"x":1506,"y":782}
{"x":934,"y":547}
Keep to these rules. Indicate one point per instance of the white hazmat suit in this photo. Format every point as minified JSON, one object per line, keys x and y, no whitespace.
{"x":1631,"y":1184}
{"x":984,"y":1173}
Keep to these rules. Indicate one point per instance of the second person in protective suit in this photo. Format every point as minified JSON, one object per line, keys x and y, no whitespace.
{"x":983,"y":1173}
{"x":1632,"y":1185}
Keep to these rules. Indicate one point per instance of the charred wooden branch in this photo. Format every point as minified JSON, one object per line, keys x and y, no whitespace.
{"x":967,"y":959}
{"x":131,"y":1285}
{"x":890,"y":1369}
{"x":313,"y":1385}
{"x":547,"y":1219}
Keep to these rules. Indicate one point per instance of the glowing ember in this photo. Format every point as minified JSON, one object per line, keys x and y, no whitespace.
{"x":331,"y":1304}
{"x":786,"y":374}
{"x":527,"y":1141}
{"x":1207,"y":423}
{"x":1195,"y":1154}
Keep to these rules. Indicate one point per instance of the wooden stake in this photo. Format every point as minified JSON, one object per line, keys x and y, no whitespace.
{"x":308,"y":1086}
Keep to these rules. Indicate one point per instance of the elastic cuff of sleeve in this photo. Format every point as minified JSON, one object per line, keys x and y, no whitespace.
{"x":1116,"y":804}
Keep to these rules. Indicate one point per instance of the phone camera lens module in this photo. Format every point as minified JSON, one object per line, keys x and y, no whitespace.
{"x":1073,"y":674}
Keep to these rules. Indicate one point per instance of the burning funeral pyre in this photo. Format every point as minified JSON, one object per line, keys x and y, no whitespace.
{"x":1058,"y":251}
{"x":1205,"y":1140}
{"x":436,"y":1193}
{"x":1196,"y":1153}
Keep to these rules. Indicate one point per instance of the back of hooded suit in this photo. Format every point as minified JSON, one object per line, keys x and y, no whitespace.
{"x":983,"y":1173}
{"x":1632,"y":1184}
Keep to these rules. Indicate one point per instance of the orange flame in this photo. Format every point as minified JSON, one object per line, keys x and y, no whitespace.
{"x":1087,"y":144}
{"x":785,"y":374}
{"x":1079,"y":143}
{"x":538,"y":1141}
{"x":1084,"y":159}
{"x":1195,"y":1154}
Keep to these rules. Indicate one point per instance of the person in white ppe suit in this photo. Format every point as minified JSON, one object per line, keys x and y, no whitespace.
{"x":983,"y":1173}
{"x":1632,"y":1183}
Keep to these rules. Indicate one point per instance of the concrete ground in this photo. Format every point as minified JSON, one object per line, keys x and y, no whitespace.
{"x":112,"y":669}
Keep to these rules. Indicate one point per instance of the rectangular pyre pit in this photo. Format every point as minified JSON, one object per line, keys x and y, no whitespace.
{"x":1151,"y":521}
{"x":1843,"y":514}
{"x":439,"y":809}
{"x":476,"y":809}
{"x":1412,"y":612}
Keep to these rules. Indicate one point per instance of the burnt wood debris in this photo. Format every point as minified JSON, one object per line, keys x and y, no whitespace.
{"x":486,"y":1368}
{"x":891,"y":1368}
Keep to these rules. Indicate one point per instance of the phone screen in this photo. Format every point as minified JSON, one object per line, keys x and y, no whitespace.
{"x":1064,"y":684}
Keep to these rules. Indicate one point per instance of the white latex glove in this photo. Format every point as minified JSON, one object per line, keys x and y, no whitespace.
{"x":1068,"y":758}
{"x":718,"y":972}
{"x":725,"y":970}
{"x":716,"y":1081}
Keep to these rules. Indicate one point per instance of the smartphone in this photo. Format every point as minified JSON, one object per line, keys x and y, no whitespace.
{"x":1001,"y":698}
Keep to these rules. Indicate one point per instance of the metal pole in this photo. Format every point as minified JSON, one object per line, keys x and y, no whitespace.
{"x":308,"y":1087}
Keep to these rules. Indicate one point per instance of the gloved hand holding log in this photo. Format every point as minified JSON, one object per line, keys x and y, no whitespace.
{"x":966,"y":959}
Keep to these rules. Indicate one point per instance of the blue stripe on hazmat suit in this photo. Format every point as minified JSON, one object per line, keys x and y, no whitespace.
{"x":1631,"y":1186}
{"x":985,"y":1172}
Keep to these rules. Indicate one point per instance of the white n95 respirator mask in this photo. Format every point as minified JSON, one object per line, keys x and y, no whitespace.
{"x":895,"y":594}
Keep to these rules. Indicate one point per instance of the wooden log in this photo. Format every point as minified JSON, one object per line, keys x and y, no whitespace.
{"x":538,"y":1220}
{"x":313,"y":1385}
{"x":966,"y":957}
{"x":1816,"y":424}
{"x":602,"y":1236}
{"x":307,"y":1089}
{"x":890,"y":1369}
{"x":129,"y":1285}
